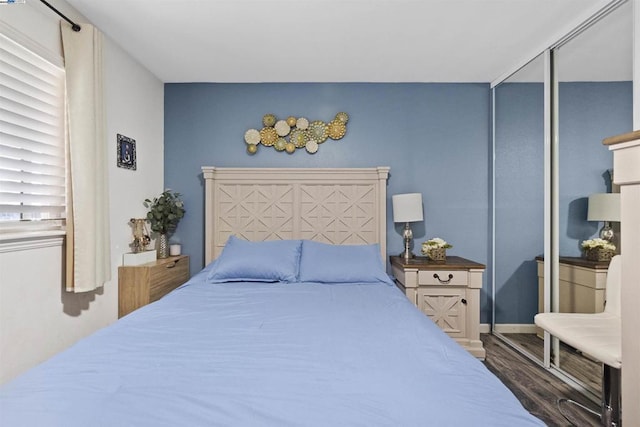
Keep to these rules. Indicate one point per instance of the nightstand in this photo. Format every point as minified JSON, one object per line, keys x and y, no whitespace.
{"x":582,"y":286}
{"x":449,"y":293}
{"x":142,"y":284}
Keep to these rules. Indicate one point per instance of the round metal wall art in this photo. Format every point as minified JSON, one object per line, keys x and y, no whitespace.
{"x":318,"y":131}
{"x":293,"y":133}
{"x":282,"y":128}
{"x":336,"y":129}
{"x":268,"y":136}
{"x":252,"y":136}
{"x":343,"y":117}
{"x":269,"y":120}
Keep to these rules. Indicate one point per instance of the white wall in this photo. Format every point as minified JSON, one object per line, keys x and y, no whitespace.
{"x":37,"y":317}
{"x":630,"y":265}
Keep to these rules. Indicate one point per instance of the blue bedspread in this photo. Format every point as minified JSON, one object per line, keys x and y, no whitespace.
{"x":259,"y":354}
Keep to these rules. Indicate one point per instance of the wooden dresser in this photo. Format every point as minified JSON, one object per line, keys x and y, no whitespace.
{"x":142,"y":284}
{"x":449,"y":293}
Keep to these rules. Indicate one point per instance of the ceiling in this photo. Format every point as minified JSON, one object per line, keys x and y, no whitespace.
{"x":332,"y":40}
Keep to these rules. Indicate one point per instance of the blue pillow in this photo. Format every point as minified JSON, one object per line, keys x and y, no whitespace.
{"x":324,"y":263}
{"x":269,"y":261}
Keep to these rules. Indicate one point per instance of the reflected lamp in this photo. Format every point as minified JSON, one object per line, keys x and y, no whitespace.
{"x":604,"y":207}
{"x":407,"y":208}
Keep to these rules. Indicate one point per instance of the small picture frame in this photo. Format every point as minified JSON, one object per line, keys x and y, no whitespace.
{"x":126,"y":152}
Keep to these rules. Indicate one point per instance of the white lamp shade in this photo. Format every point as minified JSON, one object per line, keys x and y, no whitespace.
{"x":604,"y":207}
{"x":407,"y":207}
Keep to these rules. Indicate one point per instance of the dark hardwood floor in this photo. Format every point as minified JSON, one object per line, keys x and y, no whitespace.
{"x":573,"y":362}
{"x":537,"y":389}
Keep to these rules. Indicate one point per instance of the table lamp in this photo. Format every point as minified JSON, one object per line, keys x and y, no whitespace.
{"x":604,"y":207}
{"x":407,"y":208}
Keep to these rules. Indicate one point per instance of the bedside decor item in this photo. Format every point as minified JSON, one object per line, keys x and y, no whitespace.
{"x":175,"y":249}
{"x":604,"y":207}
{"x":126,"y":152}
{"x":291,"y":133}
{"x":165,"y":212}
{"x":598,"y":249}
{"x":141,"y":237}
{"x":407,"y":208}
{"x":436,"y":249}
{"x":138,"y":258}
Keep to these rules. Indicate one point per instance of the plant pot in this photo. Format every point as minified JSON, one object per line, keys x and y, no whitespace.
{"x":598,"y":254}
{"x":437,"y":254}
{"x":163,"y":246}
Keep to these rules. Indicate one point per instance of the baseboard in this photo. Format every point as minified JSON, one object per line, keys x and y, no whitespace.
{"x":485,"y":328}
{"x":515,"y":328}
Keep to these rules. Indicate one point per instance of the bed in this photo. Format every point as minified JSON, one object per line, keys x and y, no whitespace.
{"x":293,"y":322}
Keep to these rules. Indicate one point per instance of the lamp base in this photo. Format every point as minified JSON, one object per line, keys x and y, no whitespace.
{"x":607,"y":232}
{"x":408,"y":237}
{"x":407,"y":255}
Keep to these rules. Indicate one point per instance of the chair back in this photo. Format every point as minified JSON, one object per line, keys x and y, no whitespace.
{"x":614,"y":283}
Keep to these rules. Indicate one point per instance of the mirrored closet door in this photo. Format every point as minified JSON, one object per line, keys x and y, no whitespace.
{"x":588,"y":89}
{"x":593,"y":73}
{"x":518,"y":171}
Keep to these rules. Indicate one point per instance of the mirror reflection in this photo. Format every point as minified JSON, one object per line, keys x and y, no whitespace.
{"x":594,"y":101}
{"x":594,"y":73}
{"x":519,"y":202}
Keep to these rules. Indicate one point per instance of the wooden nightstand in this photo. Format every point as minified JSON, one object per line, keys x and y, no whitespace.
{"x":142,"y":284}
{"x":449,"y":293}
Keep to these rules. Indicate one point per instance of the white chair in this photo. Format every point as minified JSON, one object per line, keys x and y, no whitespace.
{"x":598,"y":335}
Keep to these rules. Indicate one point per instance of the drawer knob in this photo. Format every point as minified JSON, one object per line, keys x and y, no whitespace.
{"x":444,"y":282}
{"x":464,"y":301}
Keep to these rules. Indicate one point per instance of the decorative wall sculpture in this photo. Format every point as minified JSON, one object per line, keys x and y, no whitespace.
{"x":291,"y":134}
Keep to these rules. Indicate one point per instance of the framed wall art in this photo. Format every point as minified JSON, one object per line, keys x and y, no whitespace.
{"x":126,"y":152}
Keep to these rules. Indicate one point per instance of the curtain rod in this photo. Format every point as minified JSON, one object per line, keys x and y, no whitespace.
{"x":75,"y":27}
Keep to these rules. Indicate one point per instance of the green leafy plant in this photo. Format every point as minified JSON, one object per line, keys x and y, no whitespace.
{"x":165,"y":211}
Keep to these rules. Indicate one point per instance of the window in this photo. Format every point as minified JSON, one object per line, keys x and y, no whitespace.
{"x":32,"y":153}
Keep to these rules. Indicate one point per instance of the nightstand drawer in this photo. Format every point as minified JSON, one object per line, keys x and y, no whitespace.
{"x":167,"y":277}
{"x":139,"y":285}
{"x":443,"y":277}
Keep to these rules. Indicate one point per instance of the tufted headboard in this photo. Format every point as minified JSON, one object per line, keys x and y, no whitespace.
{"x":339,"y":206}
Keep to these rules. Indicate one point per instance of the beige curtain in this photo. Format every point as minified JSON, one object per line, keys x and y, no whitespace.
{"x":87,"y":243}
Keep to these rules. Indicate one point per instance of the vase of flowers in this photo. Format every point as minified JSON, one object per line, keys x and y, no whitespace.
{"x":598,"y":250}
{"x":436,"y":249}
{"x":165,"y":212}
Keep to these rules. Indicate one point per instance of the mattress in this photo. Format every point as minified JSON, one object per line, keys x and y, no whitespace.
{"x":265,"y":354}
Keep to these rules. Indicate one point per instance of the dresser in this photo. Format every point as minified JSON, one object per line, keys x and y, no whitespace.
{"x":449,"y":293}
{"x":142,"y":284}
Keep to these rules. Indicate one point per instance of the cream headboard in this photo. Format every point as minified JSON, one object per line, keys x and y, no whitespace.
{"x":339,"y":206}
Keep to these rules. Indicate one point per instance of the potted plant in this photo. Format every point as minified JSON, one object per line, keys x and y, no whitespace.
{"x":598,"y":249}
{"x":436,"y":249}
{"x":165,"y":212}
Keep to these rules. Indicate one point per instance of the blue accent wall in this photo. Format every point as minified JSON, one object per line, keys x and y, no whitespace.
{"x":588,"y":113}
{"x":519,"y":199}
{"x":435,"y":138}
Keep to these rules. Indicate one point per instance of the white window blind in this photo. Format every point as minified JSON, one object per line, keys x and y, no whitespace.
{"x":32,"y":154}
